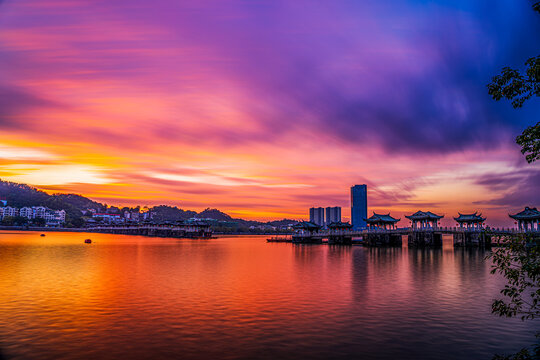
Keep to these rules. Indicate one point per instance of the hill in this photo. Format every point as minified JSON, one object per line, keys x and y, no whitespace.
{"x":21,"y":195}
{"x":214,"y":214}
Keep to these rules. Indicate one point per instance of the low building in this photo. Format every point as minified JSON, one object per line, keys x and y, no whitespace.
{"x":306,"y":227}
{"x":423,"y":220}
{"x":39,"y":212}
{"x":60,"y":216}
{"x":110,"y":218}
{"x":528,"y":219}
{"x":381,"y":221}
{"x":26,"y":212}
{"x":10,"y":211}
{"x":473,"y":221}
{"x":339,"y":226}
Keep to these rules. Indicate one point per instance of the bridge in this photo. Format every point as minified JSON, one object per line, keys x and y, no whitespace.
{"x":425,"y":230}
{"x":424,"y":237}
{"x":188,"y":230}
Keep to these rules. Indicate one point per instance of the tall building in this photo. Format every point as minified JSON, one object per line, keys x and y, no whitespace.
{"x":333,"y":214}
{"x":359,"y":206}
{"x":316,"y":215}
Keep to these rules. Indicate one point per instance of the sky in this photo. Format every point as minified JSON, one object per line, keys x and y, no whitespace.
{"x":263,"y":108}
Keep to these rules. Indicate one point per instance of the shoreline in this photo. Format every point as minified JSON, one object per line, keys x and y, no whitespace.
{"x":89,"y":230}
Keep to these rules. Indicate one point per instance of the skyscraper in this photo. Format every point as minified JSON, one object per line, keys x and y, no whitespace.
{"x":316,"y":215}
{"x":333,"y":214}
{"x":359,"y":206}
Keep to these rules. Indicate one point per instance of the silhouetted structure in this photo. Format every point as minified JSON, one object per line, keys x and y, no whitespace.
{"x":381,"y":221}
{"x":316,"y":215}
{"x":424,"y":220}
{"x":339,"y":233}
{"x":380,"y":227}
{"x":359,"y":206}
{"x":471,"y":232}
{"x":423,"y":229}
{"x":306,"y":232}
{"x":470,"y":221}
{"x":528,"y":219}
{"x":333,"y":215}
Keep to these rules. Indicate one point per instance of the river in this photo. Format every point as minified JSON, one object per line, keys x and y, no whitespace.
{"x":238,"y":297}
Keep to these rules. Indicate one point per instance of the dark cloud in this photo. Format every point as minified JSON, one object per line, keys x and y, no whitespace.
{"x":408,"y":78}
{"x":518,"y":189}
{"x":14,"y":103}
{"x":424,"y":93}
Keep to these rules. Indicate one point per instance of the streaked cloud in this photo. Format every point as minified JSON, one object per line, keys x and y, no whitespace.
{"x":264,"y":108}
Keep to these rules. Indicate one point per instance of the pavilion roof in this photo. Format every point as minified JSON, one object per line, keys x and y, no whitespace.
{"x":381,"y":218}
{"x":339,"y":225}
{"x":306,"y":225}
{"x":195,"y":223}
{"x":527,"y":214}
{"x":469,"y":217}
{"x":424,"y":215}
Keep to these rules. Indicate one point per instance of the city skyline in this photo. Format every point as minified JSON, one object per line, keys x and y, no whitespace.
{"x":263,"y":109}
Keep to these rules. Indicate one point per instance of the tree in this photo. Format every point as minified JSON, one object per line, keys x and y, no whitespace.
{"x":39,"y":222}
{"x":520,"y":86}
{"x":517,"y":259}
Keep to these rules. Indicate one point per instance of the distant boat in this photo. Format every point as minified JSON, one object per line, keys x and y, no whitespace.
{"x":88,"y":241}
{"x":42,"y":235}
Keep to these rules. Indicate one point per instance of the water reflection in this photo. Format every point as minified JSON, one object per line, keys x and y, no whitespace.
{"x":240,"y":297}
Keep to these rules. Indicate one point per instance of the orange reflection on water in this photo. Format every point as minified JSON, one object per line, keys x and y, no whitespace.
{"x":240,"y":297}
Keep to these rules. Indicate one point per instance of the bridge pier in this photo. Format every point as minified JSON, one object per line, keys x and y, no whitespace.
{"x":425,"y":238}
{"x":306,"y":239}
{"x":382,"y":239}
{"x":472,"y":239}
{"x":340,"y":239}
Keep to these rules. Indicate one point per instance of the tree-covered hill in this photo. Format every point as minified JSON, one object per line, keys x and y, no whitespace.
{"x":21,"y":195}
{"x":214,"y":214}
{"x":162,"y":213}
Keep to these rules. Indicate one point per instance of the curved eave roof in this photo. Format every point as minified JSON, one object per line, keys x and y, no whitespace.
{"x":424,"y":215}
{"x":527,"y":214}
{"x":306,"y":225}
{"x":470,"y":218}
{"x":339,"y":225}
{"x":381,"y":218}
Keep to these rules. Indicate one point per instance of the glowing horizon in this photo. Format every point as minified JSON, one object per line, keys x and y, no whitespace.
{"x":265,"y":109}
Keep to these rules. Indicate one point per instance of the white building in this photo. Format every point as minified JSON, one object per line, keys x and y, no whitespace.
{"x":38,"y":212}
{"x":10,"y":211}
{"x":26,"y":212}
{"x":110,"y":218}
{"x":60,"y":215}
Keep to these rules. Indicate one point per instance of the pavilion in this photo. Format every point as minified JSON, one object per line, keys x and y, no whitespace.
{"x":339,"y":233}
{"x":528,"y":219}
{"x":422,"y":220}
{"x":307,"y":227}
{"x":338,"y":225}
{"x":470,"y":221}
{"x":382,"y":221}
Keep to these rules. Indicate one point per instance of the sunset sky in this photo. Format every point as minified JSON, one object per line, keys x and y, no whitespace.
{"x":265,"y":108}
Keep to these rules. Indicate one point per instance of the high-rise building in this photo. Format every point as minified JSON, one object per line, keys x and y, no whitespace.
{"x":359,"y":206}
{"x":316,"y":215}
{"x":333,"y":214}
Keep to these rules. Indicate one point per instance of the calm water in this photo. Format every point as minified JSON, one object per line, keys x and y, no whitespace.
{"x":239,"y":297}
